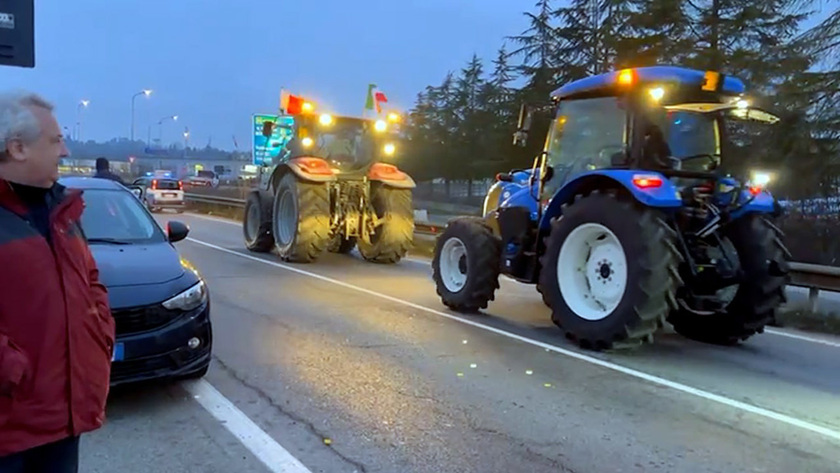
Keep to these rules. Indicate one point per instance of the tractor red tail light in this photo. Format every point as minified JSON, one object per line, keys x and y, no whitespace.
{"x":180,"y":185}
{"x":755,"y":190}
{"x":154,"y":184}
{"x":645,"y":181}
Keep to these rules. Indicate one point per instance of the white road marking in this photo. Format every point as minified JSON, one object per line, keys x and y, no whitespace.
{"x":215,"y":219}
{"x":425,"y":262}
{"x":276,"y":458}
{"x":786,"y":419}
{"x":796,"y":336}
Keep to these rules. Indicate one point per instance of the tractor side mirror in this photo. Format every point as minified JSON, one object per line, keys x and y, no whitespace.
{"x":267,"y":129}
{"x":520,"y":138}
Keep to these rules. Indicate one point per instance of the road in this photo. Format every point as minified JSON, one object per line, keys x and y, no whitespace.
{"x":350,"y":366}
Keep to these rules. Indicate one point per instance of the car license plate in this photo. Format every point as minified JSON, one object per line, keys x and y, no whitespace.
{"x":168,"y":194}
{"x":119,"y":352}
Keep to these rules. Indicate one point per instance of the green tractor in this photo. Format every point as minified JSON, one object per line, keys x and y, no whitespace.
{"x":327,"y":187}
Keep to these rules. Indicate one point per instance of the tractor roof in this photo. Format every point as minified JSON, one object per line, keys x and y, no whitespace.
{"x":647,"y":75}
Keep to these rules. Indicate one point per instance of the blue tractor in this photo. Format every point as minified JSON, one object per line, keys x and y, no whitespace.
{"x":627,"y":218}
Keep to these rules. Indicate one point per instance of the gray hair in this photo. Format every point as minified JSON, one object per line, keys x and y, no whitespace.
{"x":17,"y":120}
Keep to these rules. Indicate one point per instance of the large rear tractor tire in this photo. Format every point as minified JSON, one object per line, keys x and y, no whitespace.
{"x":256,"y":225}
{"x":610,"y":271}
{"x":763,"y":259}
{"x":392,"y":239}
{"x":466,"y":264}
{"x":301,"y":223}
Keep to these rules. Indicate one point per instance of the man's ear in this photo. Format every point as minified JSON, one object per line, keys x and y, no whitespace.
{"x":15,"y":149}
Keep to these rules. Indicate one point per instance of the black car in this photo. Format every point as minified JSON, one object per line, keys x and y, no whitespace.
{"x":160,"y":303}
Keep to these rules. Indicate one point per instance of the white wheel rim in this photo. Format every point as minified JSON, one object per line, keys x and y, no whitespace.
{"x":454,"y":264}
{"x":592,"y":271}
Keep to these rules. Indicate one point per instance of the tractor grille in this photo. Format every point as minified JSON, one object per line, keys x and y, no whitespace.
{"x":141,"y":319}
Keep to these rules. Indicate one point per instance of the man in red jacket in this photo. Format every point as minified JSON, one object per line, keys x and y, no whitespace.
{"x":56,"y":329}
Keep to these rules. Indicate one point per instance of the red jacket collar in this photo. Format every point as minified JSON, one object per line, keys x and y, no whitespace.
{"x":57,"y":195}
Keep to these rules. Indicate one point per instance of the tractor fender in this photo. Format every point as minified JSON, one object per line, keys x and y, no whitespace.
{"x":761,"y":203}
{"x":391,"y":176}
{"x":650,"y":188}
{"x":308,"y":169}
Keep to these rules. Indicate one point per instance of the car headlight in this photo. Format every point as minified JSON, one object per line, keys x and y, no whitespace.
{"x":189,"y":299}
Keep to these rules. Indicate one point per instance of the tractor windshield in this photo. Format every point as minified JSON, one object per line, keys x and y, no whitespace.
{"x":347,"y":143}
{"x":585,"y":135}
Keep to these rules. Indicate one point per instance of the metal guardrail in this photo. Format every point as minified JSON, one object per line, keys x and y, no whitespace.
{"x":423,"y":228}
{"x":214,"y":199}
{"x":814,"y":277}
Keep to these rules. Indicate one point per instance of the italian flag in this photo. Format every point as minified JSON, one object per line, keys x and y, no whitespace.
{"x":375,"y":99}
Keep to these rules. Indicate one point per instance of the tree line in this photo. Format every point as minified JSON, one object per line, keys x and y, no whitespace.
{"x":462,"y":128}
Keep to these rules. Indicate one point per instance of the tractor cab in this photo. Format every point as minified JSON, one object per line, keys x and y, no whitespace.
{"x":665,"y":119}
{"x":348,"y":144}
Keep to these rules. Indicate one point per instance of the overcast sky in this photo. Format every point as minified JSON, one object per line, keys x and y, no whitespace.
{"x":215,"y":62}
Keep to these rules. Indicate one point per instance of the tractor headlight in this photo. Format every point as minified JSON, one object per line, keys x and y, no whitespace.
{"x":189,"y":299}
{"x":760,"y":179}
{"x":657,"y":93}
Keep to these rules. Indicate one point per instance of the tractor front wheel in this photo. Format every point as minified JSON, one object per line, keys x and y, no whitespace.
{"x":466,"y":264}
{"x":610,"y":271}
{"x":301,"y":223}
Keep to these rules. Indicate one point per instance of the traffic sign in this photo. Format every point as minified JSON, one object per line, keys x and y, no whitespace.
{"x":265,"y":150}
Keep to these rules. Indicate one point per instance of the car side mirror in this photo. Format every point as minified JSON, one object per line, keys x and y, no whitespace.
{"x":137,"y":191}
{"x":176,"y":231}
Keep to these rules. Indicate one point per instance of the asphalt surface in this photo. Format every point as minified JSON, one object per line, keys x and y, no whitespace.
{"x":352,"y":366}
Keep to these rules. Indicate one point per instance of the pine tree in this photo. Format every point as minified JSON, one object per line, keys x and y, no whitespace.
{"x":592,"y":35}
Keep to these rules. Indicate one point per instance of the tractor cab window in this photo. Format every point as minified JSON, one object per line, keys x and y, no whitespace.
{"x":347,"y":145}
{"x":693,"y":137}
{"x":585,"y":136}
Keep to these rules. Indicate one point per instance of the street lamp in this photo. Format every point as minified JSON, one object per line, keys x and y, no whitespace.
{"x":160,"y":126}
{"x":146,"y":92}
{"x":82,"y":104}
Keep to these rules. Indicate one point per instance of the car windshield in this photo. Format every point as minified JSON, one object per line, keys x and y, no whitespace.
{"x":117,"y":217}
